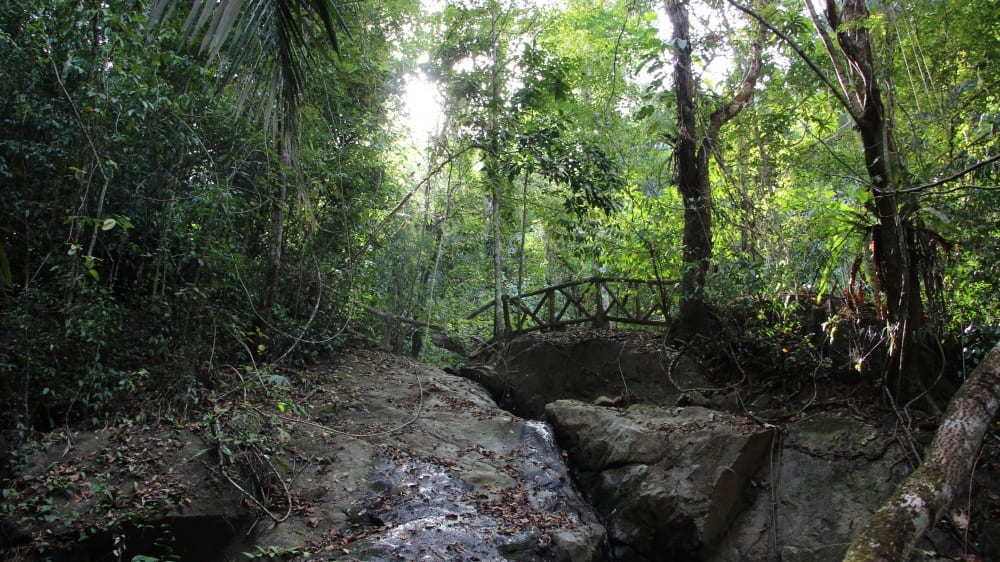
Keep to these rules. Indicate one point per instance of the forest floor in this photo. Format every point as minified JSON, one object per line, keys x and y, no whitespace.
{"x":335,"y":451}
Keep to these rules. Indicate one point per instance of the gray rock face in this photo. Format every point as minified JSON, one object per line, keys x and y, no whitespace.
{"x":696,"y":484}
{"x":669,"y":481}
{"x":586,"y":365}
{"x":385,"y":458}
{"x":826,"y":480}
{"x":143,"y":490}
{"x":433,"y":470}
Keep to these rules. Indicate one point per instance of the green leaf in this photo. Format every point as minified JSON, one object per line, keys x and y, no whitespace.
{"x":644,"y":112}
{"x":108,"y":224}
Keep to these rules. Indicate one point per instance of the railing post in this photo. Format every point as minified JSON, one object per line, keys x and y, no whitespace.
{"x":600,"y":315}
{"x":638,"y":299}
{"x":551,"y":296}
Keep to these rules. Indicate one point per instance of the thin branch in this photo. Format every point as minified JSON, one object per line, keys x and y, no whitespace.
{"x":838,"y":64}
{"x":328,"y":429}
{"x":838,"y":158}
{"x":724,"y":113}
{"x":404,"y":319}
{"x":954,"y":176}
{"x":312,"y":316}
{"x":97,"y":157}
{"x":801,"y":53}
{"x":614,"y":59}
{"x":967,"y":187}
{"x":399,"y":206}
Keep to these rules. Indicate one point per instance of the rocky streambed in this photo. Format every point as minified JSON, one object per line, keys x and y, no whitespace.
{"x":384,"y":458}
{"x":379,"y":457}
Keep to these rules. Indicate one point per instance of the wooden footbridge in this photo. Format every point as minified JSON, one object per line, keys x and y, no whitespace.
{"x":598,"y":301}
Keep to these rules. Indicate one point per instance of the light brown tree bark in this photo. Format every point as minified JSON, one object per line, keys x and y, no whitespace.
{"x":920,"y":501}
{"x":493,"y":176}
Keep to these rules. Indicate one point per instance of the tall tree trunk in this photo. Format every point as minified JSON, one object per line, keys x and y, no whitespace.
{"x":692,"y":181}
{"x":894,"y":252}
{"x":919,"y":501}
{"x":498,"y":315}
{"x":493,"y":176}
{"x":692,"y":152}
{"x":272,"y":271}
{"x":524,"y":235}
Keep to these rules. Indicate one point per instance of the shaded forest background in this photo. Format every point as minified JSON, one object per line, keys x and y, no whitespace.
{"x":177,"y":208}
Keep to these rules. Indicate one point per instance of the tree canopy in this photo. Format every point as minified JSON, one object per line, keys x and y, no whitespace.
{"x":194,"y":186}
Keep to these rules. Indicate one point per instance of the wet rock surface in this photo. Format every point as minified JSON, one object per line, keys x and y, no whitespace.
{"x":445,"y":475}
{"x":381,"y":458}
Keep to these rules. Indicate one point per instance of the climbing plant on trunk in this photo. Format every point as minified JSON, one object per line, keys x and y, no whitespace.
{"x":862,"y":84}
{"x":893,"y":236}
{"x":898,"y":253}
{"x":923,"y":498}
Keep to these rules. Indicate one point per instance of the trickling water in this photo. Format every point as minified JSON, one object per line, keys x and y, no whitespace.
{"x":434,"y":515}
{"x":542,"y":431}
{"x":541,"y":438}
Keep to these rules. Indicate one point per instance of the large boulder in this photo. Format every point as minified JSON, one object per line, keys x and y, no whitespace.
{"x":830,"y":474}
{"x":669,"y":481}
{"x":423,"y":465}
{"x":697,"y":484}
{"x":586,"y":365}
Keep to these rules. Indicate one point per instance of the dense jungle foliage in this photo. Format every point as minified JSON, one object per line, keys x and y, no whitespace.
{"x":179,"y":205}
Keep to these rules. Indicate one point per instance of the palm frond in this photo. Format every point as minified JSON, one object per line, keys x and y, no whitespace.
{"x":263,"y":44}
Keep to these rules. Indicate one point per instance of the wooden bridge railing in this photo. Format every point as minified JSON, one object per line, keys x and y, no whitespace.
{"x":598,"y":301}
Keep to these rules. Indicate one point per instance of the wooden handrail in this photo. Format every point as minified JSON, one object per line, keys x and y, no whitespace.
{"x":560,"y":305}
{"x":587,"y":281}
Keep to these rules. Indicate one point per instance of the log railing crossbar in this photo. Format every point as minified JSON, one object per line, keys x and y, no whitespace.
{"x":598,"y":301}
